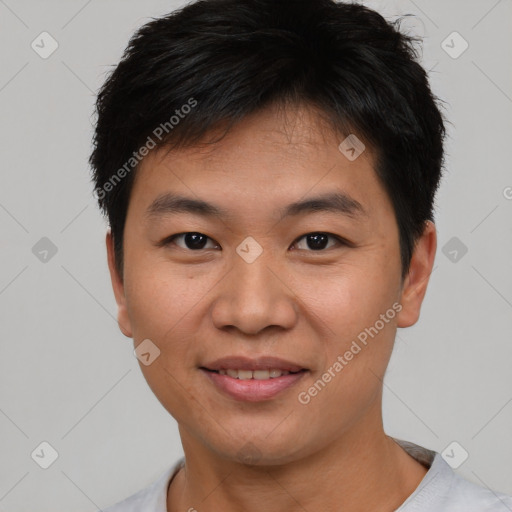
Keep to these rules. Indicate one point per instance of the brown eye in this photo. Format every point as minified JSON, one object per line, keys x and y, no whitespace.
{"x":193,"y":241}
{"x":318,"y":241}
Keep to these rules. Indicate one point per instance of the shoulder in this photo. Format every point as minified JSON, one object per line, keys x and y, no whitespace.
{"x":467,"y":496}
{"x":444,"y":490}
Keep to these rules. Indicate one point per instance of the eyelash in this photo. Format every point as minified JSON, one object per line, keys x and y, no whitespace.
{"x":167,"y":241}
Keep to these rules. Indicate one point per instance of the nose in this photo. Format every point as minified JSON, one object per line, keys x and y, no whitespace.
{"x":254,"y":296}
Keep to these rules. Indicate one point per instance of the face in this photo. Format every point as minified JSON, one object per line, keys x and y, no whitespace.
{"x":296,"y":257}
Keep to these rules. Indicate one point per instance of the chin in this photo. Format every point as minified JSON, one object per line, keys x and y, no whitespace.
{"x":261,"y":449}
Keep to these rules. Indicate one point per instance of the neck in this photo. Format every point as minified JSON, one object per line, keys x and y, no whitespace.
{"x":360,"y":470}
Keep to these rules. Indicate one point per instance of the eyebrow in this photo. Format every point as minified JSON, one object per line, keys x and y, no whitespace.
{"x":338,"y":202}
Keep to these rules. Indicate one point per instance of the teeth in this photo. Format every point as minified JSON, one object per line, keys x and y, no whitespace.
{"x":256,"y":374}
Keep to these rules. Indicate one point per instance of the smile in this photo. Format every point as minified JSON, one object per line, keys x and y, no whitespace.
{"x":253,"y":386}
{"x":273,"y":373}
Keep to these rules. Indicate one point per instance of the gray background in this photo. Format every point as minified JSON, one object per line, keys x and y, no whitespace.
{"x":67,"y":374}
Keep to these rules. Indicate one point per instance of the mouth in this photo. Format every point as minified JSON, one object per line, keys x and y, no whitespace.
{"x":271,"y":373}
{"x":253,"y":380}
{"x":244,"y":364}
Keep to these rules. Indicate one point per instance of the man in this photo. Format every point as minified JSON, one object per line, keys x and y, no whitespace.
{"x":268,"y":170}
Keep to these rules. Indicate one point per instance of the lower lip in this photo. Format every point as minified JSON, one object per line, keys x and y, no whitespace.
{"x":253,"y":390}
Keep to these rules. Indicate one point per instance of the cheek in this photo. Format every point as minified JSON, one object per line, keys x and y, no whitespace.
{"x":357,"y":341}
{"x":159,"y":298}
{"x":344,"y":301}
{"x":357,"y":346}
{"x":161,"y":308}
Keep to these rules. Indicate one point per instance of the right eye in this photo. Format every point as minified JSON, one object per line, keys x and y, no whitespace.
{"x":192,"y":240}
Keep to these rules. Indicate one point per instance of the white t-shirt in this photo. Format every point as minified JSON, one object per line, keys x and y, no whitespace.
{"x":441,"y":490}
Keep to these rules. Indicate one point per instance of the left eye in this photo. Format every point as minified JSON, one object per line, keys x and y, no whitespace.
{"x":318,"y":241}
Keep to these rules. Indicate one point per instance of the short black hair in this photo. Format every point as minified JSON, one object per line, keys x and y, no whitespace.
{"x":213,"y":62}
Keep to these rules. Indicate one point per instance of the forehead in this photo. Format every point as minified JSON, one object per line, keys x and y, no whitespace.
{"x":289,"y":129}
{"x":276,"y":155}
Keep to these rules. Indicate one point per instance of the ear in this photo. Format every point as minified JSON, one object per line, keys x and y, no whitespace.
{"x":416,"y":281}
{"x":123,"y":319}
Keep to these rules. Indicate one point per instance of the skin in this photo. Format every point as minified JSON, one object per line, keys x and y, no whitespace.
{"x":292,"y":302}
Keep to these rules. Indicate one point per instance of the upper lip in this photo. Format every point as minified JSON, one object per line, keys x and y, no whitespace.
{"x":246,"y":363}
